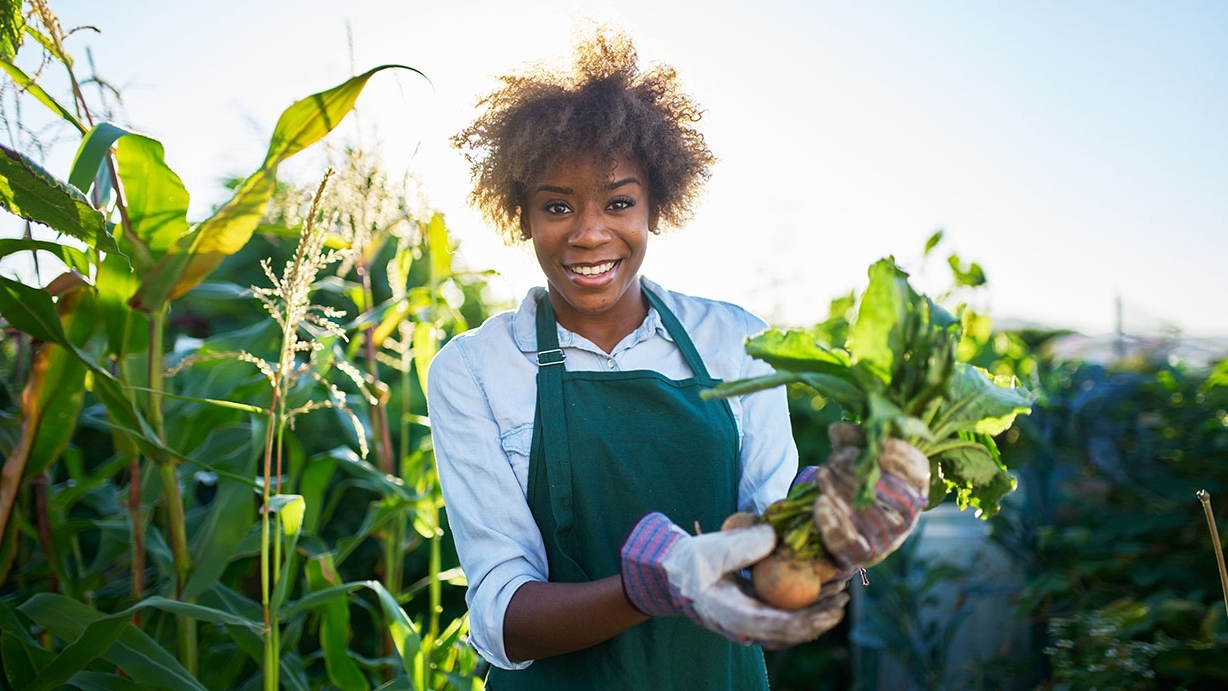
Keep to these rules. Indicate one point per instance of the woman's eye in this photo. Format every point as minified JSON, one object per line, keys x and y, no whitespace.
{"x":621,"y":203}
{"x":556,"y":208}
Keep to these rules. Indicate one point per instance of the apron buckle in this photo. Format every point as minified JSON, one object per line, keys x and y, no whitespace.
{"x":551,"y":357}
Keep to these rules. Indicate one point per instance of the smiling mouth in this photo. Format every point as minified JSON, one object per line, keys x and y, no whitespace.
{"x":592,"y":270}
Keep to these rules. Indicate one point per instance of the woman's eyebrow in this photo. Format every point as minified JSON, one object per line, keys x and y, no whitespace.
{"x":625,"y":181}
{"x":552,"y":188}
{"x":567,"y":190}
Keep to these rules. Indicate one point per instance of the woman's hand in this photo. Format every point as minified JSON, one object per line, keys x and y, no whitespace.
{"x":666,"y":571}
{"x":859,"y":538}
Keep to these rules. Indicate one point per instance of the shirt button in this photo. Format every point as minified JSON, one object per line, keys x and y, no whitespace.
{"x":610,"y":362}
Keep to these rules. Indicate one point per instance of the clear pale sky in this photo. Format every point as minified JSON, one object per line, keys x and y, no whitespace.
{"x":1077,"y":150}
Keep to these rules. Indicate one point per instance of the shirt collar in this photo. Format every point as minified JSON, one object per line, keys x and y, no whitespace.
{"x":524,"y":324}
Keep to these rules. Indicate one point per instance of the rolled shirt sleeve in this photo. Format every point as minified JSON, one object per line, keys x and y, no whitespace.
{"x":498,"y":542}
{"x":768,"y":451}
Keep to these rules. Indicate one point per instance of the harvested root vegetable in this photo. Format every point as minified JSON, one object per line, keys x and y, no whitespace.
{"x":925,"y":420}
{"x":741,"y":519}
{"x":792,"y":576}
{"x":785,"y":580}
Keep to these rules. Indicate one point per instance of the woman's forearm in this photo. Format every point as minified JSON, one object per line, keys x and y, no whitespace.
{"x":545,"y":619}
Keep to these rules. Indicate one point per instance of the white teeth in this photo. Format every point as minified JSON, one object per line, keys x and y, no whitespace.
{"x":593,"y":270}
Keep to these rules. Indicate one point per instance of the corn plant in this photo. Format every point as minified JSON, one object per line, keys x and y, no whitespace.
{"x":135,"y":516}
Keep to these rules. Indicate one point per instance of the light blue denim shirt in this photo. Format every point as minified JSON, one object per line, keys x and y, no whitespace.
{"x":482,"y":394}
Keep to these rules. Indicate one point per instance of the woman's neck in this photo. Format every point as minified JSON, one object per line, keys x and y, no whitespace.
{"x":607,"y":329}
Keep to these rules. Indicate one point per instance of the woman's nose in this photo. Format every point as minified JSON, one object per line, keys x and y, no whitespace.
{"x":591,"y":228}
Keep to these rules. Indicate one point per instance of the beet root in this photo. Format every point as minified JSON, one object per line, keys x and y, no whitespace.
{"x":741,"y":519}
{"x":787,"y":581}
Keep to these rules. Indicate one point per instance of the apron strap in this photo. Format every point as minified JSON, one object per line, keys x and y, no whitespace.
{"x":681,"y":339}
{"x":550,"y":404}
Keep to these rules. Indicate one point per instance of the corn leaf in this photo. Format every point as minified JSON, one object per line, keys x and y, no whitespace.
{"x":196,"y":254}
{"x":439,"y":248}
{"x":21,"y":656}
{"x":317,"y":597}
{"x":22,"y":661}
{"x":200,"y":252}
{"x":30,"y":310}
{"x":232,"y":514}
{"x":387,"y":319}
{"x":307,"y":121}
{"x":58,"y":378}
{"x":53,"y":394}
{"x":30,"y":86}
{"x":157,"y":200}
{"x":334,"y":626}
{"x":92,"y":152}
{"x":29,"y":191}
{"x":222,"y":598}
{"x":12,"y":26}
{"x":314,"y":484}
{"x":370,"y":476}
{"x":133,"y":651}
{"x":402,"y":632}
{"x":127,"y":329}
{"x":289,"y":509}
{"x":98,"y":681}
{"x":425,"y":347}
{"x":72,"y":257}
{"x":95,"y":640}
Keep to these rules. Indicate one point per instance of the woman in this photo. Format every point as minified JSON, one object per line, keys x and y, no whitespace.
{"x":571,"y":440}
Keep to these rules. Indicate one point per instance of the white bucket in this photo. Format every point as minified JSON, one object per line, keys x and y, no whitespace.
{"x":959,"y":632}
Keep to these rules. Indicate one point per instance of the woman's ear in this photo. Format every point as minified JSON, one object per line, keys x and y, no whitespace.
{"x":654,"y":217}
{"x":525,"y":231}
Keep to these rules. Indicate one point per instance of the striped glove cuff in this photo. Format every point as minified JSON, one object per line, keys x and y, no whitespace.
{"x":645,"y":582}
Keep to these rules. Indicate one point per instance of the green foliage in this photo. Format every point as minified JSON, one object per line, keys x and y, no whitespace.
{"x":1112,"y":535}
{"x":188,"y":499}
{"x":34,"y":194}
{"x":898,"y":375}
{"x":1094,"y":649}
{"x":1121,"y":582}
{"x":12,"y":25}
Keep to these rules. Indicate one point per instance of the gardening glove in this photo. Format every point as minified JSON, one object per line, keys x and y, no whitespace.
{"x":859,"y":538}
{"x":665,"y":571}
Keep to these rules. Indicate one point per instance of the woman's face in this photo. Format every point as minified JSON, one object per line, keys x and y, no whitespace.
{"x":590,"y":228}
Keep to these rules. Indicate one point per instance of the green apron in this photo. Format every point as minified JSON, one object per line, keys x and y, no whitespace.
{"x":642,"y":442}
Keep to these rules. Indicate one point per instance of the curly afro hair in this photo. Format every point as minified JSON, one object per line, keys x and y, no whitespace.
{"x":605,"y":106}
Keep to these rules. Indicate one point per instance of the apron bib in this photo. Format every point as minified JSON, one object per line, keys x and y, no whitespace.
{"x":609,"y":447}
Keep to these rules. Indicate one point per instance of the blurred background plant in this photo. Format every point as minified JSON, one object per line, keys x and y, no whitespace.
{"x":1102,"y":551}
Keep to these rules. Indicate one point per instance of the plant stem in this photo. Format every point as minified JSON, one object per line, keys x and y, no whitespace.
{"x":39,"y":484}
{"x":793,"y":520}
{"x":138,"y":532}
{"x":1205,"y":497}
{"x":436,"y":588}
{"x":271,"y":671}
{"x":136,"y":516}
{"x":394,"y":535}
{"x":379,"y":411}
{"x":175,"y":519}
